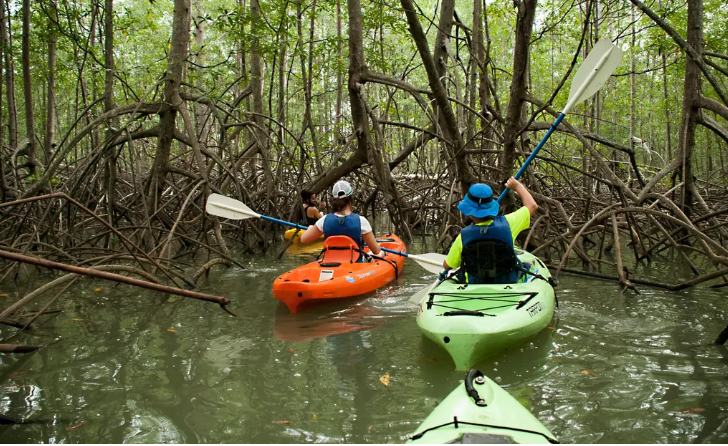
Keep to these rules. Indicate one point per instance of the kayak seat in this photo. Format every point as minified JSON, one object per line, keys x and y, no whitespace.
{"x":339,"y":249}
{"x":490,"y":261}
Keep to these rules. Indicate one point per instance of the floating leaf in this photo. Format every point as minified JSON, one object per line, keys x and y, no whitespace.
{"x":292,"y":350}
{"x":587,"y":372}
{"x":693,"y":410}
{"x":77,"y":319}
{"x":550,"y":327}
{"x":97,"y":289}
{"x":76,"y":426}
{"x":3,"y":295}
{"x":280,"y":422}
{"x":314,"y":417}
{"x":172,"y":330}
{"x":370,"y":428}
{"x":384,"y":379}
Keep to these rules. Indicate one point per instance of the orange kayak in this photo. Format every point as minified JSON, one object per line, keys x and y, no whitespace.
{"x":337,"y":274}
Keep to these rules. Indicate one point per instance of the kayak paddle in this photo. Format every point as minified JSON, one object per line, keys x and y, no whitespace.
{"x":601,"y":62}
{"x":233,"y":209}
{"x":418,"y":296}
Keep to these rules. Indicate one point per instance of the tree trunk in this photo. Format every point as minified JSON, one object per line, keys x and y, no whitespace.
{"x":3,"y":183}
{"x":668,"y":136}
{"x":357,"y":67}
{"x":483,"y":55}
{"x":5,"y":27}
{"x":690,"y":106}
{"x":199,"y":50}
{"x":178,"y":52}
{"x":28,"y":89}
{"x":632,"y":109}
{"x":283,"y":50}
{"x":256,"y":74}
{"x":339,"y":77}
{"x":307,"y":81}
{"x":434,"y":72}
{"x":111,"y":153}
{"x":359,"y":112}
{"x":50,"y":131}
{"x":516,"y":102}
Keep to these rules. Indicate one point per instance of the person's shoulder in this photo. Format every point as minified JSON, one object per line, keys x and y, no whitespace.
{"x":519,"y":212}
{"x":365,"y":225}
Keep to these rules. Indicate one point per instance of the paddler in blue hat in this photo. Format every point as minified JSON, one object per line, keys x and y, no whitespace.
{"x":487,"y":243}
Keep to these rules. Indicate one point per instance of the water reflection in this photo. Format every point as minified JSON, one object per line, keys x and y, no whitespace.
{"x":322,"y":322}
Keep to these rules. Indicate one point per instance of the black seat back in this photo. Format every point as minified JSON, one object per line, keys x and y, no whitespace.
{"x":490,"y":262}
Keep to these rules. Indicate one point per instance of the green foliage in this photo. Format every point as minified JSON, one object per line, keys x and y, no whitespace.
{"x":142,"y":34}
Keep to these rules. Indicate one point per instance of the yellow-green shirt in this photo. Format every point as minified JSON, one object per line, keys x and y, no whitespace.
{"x":518,"y":221}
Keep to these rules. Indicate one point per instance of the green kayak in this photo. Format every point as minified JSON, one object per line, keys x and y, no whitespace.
{"x":473,"y":322}
{"x":480,"y":411}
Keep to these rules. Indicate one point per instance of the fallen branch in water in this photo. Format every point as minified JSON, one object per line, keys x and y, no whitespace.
{"x":17,"y":348}
{"x":222,"y":301}
{"x":722,"y":337}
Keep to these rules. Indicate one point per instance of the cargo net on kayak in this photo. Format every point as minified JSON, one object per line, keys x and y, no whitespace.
{"x":504,"y":299}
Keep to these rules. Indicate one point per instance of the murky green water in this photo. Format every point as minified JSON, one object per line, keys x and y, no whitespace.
{"x":134,"y":366}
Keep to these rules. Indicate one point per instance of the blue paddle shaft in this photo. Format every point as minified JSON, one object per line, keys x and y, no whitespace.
{"x":533,"y":154}
{"x":399,"y":253}
{"x":287,"y":223}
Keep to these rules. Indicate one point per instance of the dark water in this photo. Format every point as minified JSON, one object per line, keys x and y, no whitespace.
{"x":133,"y":366}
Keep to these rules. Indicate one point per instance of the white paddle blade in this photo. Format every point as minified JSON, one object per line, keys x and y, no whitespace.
{"x":227,"y":207}
{"x":418,"y":296}
{"x":601,"y":62}
{"x":431,"y":261}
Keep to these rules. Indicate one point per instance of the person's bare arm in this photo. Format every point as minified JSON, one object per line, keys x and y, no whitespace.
{"x":316,"y":213}
{"x":311,"y":234}
{"x":371,"y":242}
{"x":446,"y":266}
{"x":528,"y":201}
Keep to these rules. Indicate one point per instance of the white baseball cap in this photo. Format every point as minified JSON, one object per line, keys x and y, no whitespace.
{"x":342,"y":189}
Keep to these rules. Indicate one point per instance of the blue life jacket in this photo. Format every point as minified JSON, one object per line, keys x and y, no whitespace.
{"x":497,"y":256}
{"x":349,"y":226}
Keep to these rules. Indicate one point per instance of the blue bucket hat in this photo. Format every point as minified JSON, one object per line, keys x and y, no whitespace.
{"x":479,"y":202}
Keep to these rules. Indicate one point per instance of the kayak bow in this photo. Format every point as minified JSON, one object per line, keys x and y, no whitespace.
{"x":479,"y":411}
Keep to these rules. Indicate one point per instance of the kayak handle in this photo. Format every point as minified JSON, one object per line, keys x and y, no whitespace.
{"x":465,"y":313}
{"x":477,"y":376}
